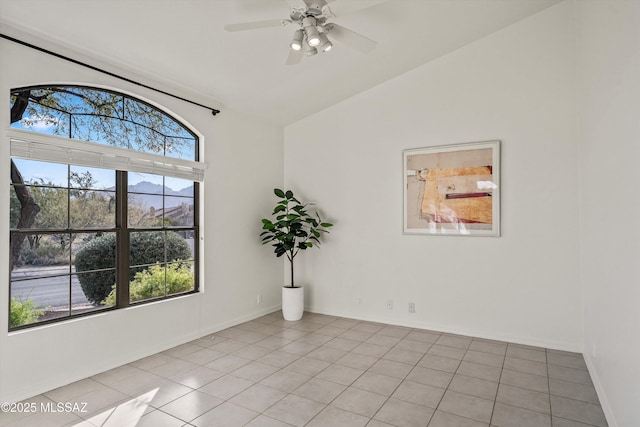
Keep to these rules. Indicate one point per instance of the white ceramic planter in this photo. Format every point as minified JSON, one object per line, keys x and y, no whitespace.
{"x":292,"y":303}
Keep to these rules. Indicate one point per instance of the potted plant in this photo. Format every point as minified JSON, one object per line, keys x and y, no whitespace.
{"x":293,"y":229}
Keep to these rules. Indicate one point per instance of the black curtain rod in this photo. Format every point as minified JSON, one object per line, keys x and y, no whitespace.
{"x":66,"y":58}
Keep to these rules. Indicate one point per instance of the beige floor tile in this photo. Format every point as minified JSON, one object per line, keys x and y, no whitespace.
{"x":569,"y":374}
{"x":484,"y":358}
{"x":523,"y":398}
{"x":454,"y":341}
{"x":321,"y":391}
{"x":227,"y":363}
{"x":173,"y":368}
{"x":417,"y":346}
{"x":70,"y":391}
{"x":182,"y":350}
{"x":225,"y":415}
{"x":361,"y":402}
{"x":511,"y":416}
{"x":358,"y":361}
{"x":252,"y":352}
{"x":440,"y":363}
{"x":191,"y":405}
{"x":576,"y":410}
{"x":299,"y":348}
{"x":488,"y":347}
{"x":520,"y":352}
{"x":279,"y":359}
{"x":394,"y":331}
{"x":198,"y":377}
{"x":467,"y":406}
{"x":420,"y":394}
{"x":444,"y":351}
{"x":524,"y":380}
{"x":478,"y":370}
{"x":474,"y":386}
{"x":254,"y":371}
{"x":326,"y":354}
{"x":575,"y":391}
{"x":403,"y":355}
{"x":355,"y":335}
{"x":294,"y":410}
{"x":368,"y":327}
{"x":569,"y":360}
{"x":258,"y":397}
{"x":274,"y":343}
{"x":443,"y":419}
{"x":404,"y":414}
{"x":528,"y":366}
{"x":429,"y":376}
{"x":315,"y":338}
{"x":264,"y":421}
{"x":344,"y":375}
{"x":226,"y":387}
{"x":331,"y":331}
{"x":342,"y":344}
{"x":373,"y":350}
{"x":307,"y":366}
{"x":425,"y":337}
{"x":335,"y":417}
{"x":202,"y":356}
{"x":391,"y":368}
{"x":377,"y":383}
{"x":286,"y":381}
{"x":383,"y":340}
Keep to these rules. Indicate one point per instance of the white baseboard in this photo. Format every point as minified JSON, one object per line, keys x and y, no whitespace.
{"x":571,"y":347}
{"x":604,"y":403}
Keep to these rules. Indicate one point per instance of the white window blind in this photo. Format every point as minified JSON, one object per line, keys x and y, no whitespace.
{"x":48,"y":148}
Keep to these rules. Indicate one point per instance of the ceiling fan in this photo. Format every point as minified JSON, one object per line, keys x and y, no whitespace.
{"x":313,"y":30}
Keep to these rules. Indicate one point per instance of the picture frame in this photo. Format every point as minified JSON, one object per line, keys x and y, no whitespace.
{"x":453,"y":189}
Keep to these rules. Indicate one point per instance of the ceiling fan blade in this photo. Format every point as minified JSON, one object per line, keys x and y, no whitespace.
{"x":295,"y":56}
{"x":244,"y":26}
{"x":297,"y":4}
{"x":342,"y":8}
{"x":350,"y":38}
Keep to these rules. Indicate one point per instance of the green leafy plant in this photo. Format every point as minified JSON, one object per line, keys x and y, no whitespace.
{"x":293,"y":228}
{"x":156,"y":281}
{"x":100,"y":254}
{"x":23,"y":312}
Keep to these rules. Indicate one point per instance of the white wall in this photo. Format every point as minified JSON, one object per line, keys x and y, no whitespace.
{"x":245,"y":162}
{"x":517,"y":86}
{"x":609,"y":60}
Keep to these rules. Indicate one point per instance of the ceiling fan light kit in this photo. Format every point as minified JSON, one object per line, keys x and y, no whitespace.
{"x":325,"y":43}
{"x":311,"y":35}
{"x":296,"y":43}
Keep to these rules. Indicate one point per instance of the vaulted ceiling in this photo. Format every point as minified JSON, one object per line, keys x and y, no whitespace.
{"x":183,"y":44}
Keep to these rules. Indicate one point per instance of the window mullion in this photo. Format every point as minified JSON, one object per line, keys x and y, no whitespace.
{"x":122,"y":245}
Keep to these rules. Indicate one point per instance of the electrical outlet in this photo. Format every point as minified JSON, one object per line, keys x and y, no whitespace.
{"x":412,"y":307}
{"x":390,"y":304}
{"x":259,"y":300}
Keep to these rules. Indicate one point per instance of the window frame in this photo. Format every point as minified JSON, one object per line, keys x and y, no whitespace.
{"x":121,"y":228}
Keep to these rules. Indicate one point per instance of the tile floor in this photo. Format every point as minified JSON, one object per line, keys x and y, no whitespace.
{"x":329,"y":371}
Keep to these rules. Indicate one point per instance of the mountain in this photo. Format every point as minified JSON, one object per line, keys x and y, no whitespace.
{"x":149,"y":194}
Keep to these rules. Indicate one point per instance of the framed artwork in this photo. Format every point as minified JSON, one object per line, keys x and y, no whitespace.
{"x":453,"y":189}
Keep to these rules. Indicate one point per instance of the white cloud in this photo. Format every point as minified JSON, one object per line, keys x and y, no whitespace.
{"x":39,"y":122}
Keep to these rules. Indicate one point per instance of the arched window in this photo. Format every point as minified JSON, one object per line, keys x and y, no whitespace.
{"x":104,"y":203}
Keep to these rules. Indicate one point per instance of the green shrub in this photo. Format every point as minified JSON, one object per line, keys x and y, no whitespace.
{"x":23,"y":312}
{"x":151,"y":282}
{"x":145,"y":248}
